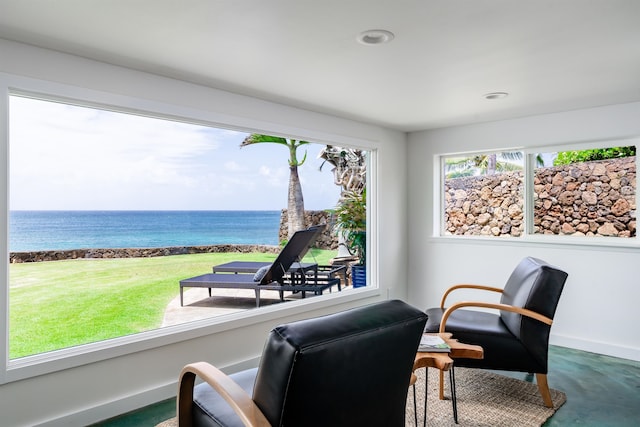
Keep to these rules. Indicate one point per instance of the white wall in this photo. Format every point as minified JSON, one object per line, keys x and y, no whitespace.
{"x":598,"y":310}
{"x":102,"y":389}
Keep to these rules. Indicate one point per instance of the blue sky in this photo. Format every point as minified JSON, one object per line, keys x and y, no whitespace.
{"x":66,"y":157}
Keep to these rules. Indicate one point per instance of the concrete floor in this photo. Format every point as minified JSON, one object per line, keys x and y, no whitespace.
{"x":601,"y":391}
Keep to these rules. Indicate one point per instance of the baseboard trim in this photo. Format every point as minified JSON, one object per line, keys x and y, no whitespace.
{"x":132,"y":402}
{"x":114,"y":408}
{"x":608,"y":349}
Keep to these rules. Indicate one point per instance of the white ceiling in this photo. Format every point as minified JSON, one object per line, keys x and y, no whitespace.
{"x":550,"y":55}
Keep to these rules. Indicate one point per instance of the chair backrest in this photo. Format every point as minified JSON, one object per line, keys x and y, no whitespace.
{"x":295,"y":249}
{"x":537,"y":286}
{"x":345,"y":369}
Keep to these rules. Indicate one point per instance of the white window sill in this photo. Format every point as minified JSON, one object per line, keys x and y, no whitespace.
{"x":556,"y":241}
{"x":45,"y":363}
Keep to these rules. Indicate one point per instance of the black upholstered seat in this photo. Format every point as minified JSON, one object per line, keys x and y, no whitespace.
{"x":516,"y":338}
{"x":346,"y":369}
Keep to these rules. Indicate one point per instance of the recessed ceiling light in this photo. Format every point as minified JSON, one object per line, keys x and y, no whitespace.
{"x":371,"y":37}
{"x":495,"y":95}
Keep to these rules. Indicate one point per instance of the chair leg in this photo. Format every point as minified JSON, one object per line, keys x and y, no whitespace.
{"x":184,"y":401}
{"x":454,"y":400}
{"x":543,"y":387}
{"x":415,"y":405}
{"x":426,"y":393}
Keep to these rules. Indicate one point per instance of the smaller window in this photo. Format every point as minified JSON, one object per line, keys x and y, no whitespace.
{"x":483,"y":194}
{"x":586,"y":193}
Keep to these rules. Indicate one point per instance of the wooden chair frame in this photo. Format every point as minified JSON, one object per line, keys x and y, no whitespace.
{"x":237,"y":398}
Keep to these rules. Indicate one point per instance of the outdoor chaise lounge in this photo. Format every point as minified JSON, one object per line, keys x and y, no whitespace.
{"x":307,"y":268}
{"x":281,"y":275}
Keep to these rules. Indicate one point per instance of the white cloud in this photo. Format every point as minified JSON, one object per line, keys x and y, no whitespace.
{"x":265,"y":171}
{"x":233,"y":166}
{"x":67,"y":157}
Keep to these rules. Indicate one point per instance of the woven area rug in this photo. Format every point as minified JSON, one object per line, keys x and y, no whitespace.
{"x":484,"y":399}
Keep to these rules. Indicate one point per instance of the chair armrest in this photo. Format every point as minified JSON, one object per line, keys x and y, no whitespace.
{"x":497,"y":306}
{"x":237,"y":398}
{"x":467,"y":286}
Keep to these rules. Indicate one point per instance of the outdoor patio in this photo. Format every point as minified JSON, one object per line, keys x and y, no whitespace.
{"x":198,"y":305}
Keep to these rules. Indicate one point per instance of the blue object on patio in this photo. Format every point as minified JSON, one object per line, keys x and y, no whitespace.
{"x":359,"y":275}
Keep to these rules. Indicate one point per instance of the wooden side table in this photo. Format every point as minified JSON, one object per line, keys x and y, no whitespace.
{"x":443,"y":362}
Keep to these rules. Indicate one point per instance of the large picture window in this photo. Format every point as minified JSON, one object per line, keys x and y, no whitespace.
{"x":89,"y":184}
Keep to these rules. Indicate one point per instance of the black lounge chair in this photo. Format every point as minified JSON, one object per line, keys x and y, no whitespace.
{"x":341,"y":370}
{"x":305,"y":270}
{"x":273,"y":276}
{"x":293,"y":248}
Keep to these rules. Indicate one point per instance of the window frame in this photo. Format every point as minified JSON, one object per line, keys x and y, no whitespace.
{"x":49,"y":362}
{"x":529,"y":237}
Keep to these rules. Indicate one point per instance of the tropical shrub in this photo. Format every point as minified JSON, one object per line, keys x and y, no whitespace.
{"x":568,"y":157}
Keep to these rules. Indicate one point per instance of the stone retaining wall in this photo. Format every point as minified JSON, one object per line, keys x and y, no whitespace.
{"x":327,"y":240}
{"x":488,"y":205}
{"x":591,"y":199}
{"x":36,"y":256}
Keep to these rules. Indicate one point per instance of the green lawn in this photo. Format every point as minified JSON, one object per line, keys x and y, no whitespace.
{"x":59,"y":304}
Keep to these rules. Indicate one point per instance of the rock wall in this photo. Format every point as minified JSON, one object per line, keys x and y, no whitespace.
{"x":484,"y":205}
{"x":591,"y":199}
{"x":327,"y":240}
{"x":17,"y":257}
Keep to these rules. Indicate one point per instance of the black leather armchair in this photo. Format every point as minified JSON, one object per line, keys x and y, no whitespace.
{"x":346,"y":369}
{"x":517,"y":337}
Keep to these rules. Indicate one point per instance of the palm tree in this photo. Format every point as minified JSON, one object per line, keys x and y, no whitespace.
{"x":295,"y":201}
{"x":483,"y":164}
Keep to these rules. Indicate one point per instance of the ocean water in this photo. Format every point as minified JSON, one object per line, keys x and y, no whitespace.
{"x":60,"y":230}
